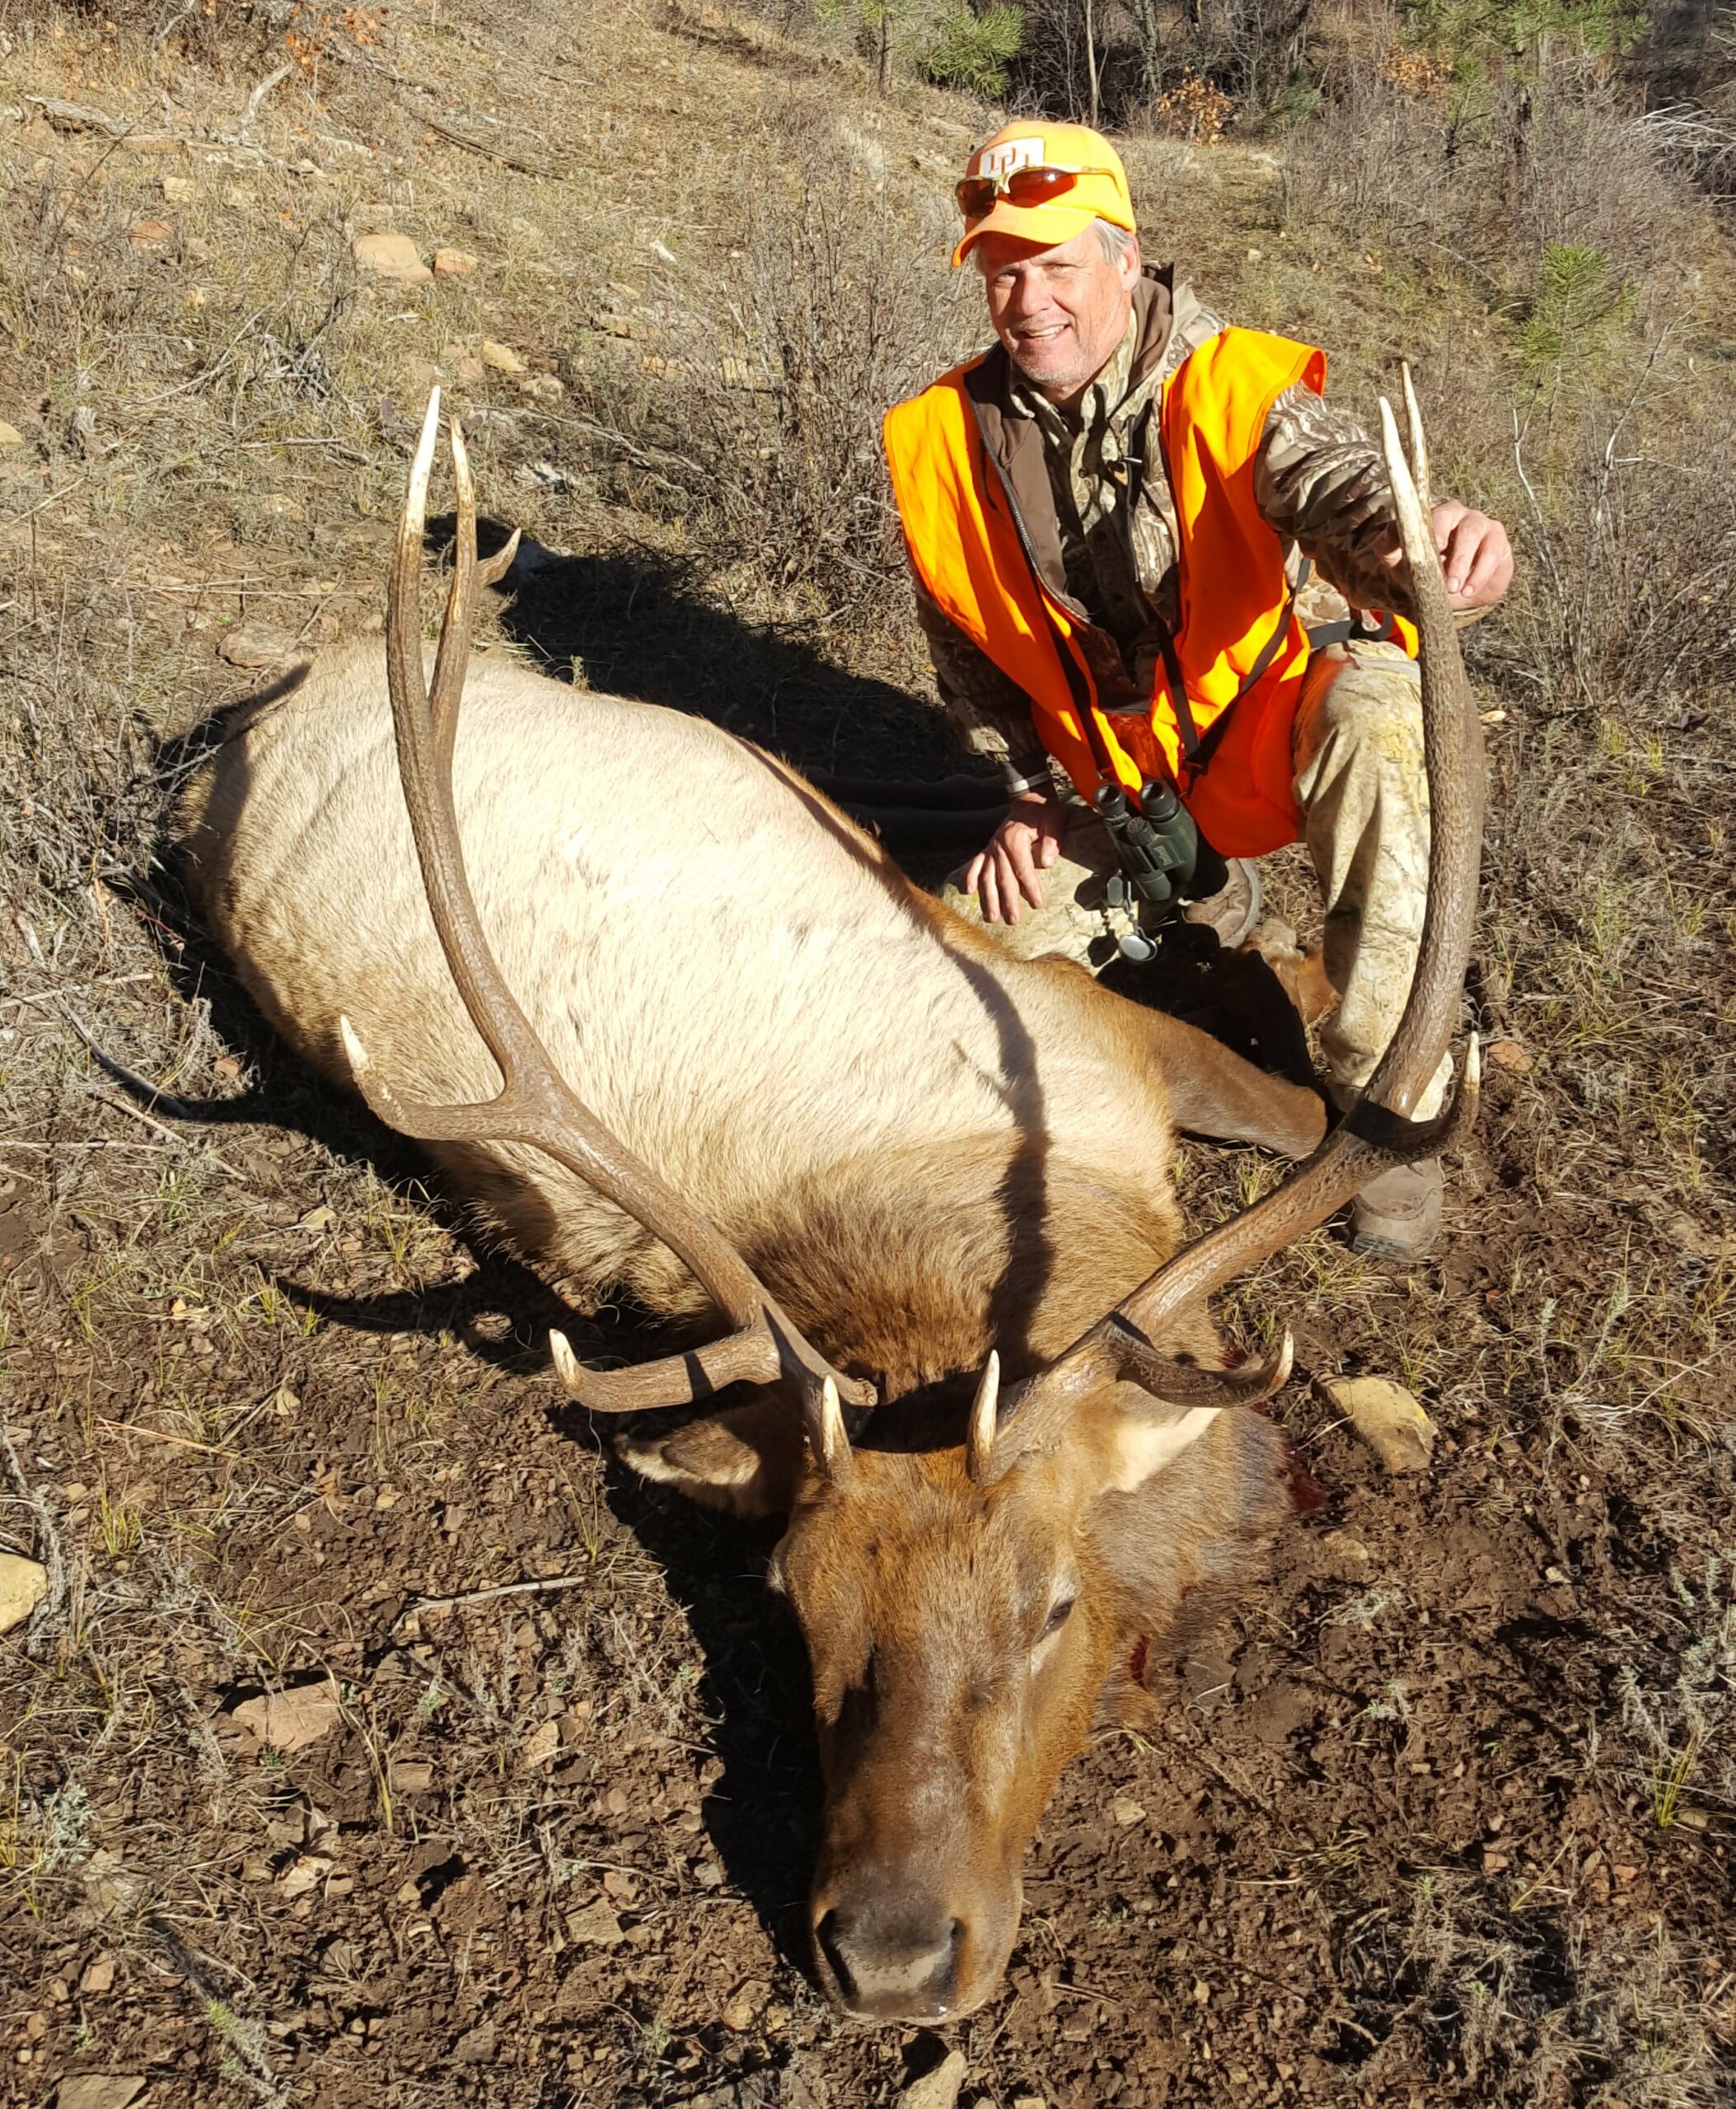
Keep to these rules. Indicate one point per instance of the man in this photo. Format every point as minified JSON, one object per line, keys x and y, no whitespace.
{"x":1109,"y":516}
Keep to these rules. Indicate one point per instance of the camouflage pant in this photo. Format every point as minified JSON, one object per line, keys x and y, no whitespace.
{"x":1364,"y":803}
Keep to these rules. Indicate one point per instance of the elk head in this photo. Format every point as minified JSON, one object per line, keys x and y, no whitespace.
{"x":966,"y":1593}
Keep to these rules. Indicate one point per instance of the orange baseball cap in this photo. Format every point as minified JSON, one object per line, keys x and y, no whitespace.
{"x":1010,"y":186}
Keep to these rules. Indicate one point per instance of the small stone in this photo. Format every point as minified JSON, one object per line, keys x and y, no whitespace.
{"x":254,"y":648}
{"x":453,"y":263}
{"x":745,"y":2004}
{"x":541,"y":1747}
{"x":502,"y":358}
{"x":476,"y":2046}
{"x":1494,"y":1862}
{"x":1553,"y":1574}
{"x":100,"y":2091}
{"x":1509,"y":1054}
{"x":662,"y":254}
{"x":1387,"y":1417}
{"x":99,"y":1976}
{"x":545,"y":388}
{"x":1202,"y":1993}
{"x":620,"y":1885}
{"x":390,"y":256}
{"x":305,"y":1872}
{"x":616,"y":1801}
{"x":1029,"y":2102}
{"x":178,"y":189}
{"x":1624,"y":1872}
{"x":1126,"y":1812}
{"x":10,"y":438}
{"x":709,"y":1874}
{"x":387,"y":1497}
{"x":149,"y":234}
{"x":595,"y":1926}
{"x":291,"y":1720}
{"x":319,"y":1218}
{"x":939,"y":2089}
{"x":411,"y":1776}
{"x":23,"y":1585}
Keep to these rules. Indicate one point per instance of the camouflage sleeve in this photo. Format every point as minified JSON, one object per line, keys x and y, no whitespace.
{"x":1319,"y":481}
{"x":988,"y":714}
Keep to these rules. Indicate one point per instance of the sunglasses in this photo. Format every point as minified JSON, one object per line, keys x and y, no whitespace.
{"x":1020,"y":186}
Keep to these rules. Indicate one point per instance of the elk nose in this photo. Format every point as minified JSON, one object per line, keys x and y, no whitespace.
{"x":895,"y":1964}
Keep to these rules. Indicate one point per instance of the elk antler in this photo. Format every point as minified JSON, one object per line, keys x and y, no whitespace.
{"x":1378,"y":1131}
{"x":536,"y":1106}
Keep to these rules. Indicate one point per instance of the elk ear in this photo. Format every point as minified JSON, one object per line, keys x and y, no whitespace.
{"x":747,"y":1462}
{"x":1142,"y":1436}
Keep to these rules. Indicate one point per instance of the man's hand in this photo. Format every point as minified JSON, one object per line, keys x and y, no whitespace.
{"x":1026,"y":842}
{"x":1475,"y":554}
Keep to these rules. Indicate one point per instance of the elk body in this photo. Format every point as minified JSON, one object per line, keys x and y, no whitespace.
{"x":751,"y":1070}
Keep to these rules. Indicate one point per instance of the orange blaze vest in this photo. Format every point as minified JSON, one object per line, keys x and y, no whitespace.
{"x":1240,"y":642}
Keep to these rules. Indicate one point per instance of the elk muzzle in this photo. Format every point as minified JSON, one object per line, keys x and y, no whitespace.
{"x":910,"y":1940}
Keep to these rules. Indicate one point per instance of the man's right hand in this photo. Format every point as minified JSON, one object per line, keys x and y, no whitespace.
{"x":1026,"y":842}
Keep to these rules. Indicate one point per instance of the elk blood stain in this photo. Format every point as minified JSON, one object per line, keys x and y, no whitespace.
{"x":1136,"y":1660}
{"x":1308,"y":1496}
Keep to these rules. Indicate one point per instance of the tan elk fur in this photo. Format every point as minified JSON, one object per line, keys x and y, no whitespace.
{"x":921,"y":1144}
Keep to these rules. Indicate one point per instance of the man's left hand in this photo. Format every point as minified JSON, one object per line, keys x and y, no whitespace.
{"x":1475,"y":552}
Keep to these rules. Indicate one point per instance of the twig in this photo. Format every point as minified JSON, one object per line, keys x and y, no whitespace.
{"x":181,"y":1142}
{"x":483,"y":1595}
{"x":162,"y":1435}
{"x":478,"y":147}
{"x":262,"y":89}
{"x":49,"y":1615}
{"x":209,"y":373}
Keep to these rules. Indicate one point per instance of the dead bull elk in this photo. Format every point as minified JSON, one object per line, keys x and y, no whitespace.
{"x":758,"y":1073}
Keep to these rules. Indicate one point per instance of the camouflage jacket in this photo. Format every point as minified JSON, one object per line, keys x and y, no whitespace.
{"x":1318,"y":480}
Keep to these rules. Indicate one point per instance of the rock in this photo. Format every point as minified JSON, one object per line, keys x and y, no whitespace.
{"x":662,"y":254}
{"x":502,"y":358}
{"x":595,"y":1926}
{"x":453,"y":263}
{"x":149,"y":234}
{"x":1126,"y":1812}
{"x":178,"y":189}
{"x":291,"y":1720}
{"x":100,"y":2091}
{"x":937,"y":2089}
{"x":1509,"y":1054}
{"x":390,"y":256}
{"x":708,"y":1875}
{"x":545,"y":388}
{"x":255,"y":647}
{"x":1387,"y":1418}
{"x":99,"y":1976}
{"x":541,"y":1747}
{"x":745,"y":2004}
{"x":23,"y":1585}
{"x":476,"y":2046}
{"x":10,"y":438}
{"x":319,"y":1218}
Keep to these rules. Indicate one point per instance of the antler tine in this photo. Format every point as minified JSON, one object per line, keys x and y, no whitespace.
{"x":535,"y":1105}
{"x":1419,"y":444}
{"x":1378,"y":1131}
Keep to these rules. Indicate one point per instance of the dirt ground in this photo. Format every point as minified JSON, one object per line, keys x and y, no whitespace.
{"x":1447,"y":1816}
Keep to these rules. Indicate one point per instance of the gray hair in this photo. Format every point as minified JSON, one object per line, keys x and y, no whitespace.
{"x":1116,"y":241}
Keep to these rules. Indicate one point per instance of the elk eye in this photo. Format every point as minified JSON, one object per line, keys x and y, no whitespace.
{"x":1057,"y":1617}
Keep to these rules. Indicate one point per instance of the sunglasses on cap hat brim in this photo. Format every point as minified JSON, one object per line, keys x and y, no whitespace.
{"x":977,"y":195}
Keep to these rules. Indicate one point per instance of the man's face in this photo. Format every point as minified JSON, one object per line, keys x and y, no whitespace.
{"x":1059,"y":312}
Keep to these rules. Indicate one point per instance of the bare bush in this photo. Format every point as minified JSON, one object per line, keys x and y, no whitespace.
{"x":767,"y":445}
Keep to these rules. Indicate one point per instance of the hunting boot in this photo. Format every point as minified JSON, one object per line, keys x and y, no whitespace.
{"x":1234,"y":910}
{"x":1397,"y":1215}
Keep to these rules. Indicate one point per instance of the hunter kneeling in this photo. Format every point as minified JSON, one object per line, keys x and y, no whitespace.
{"x":1111,"y":518}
